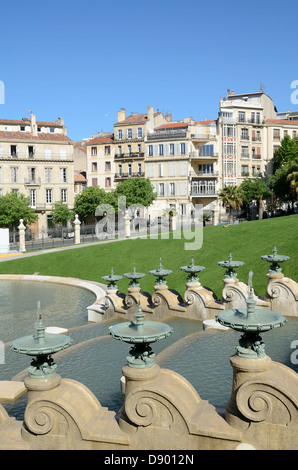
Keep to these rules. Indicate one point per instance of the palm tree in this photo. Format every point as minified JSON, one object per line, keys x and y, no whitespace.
{"x":231,"y":196}
{"x":292,"y":177}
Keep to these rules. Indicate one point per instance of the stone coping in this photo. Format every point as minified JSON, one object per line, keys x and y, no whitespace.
{"x":98,"y":289}
{"x":11,"y":390}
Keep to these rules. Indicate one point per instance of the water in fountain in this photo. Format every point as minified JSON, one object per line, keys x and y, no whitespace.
{"x":96,"y":360}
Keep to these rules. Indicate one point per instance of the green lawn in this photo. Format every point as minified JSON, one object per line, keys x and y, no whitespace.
{"x":247,"y":242}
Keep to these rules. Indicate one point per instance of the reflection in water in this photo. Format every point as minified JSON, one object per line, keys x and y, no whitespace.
{"x":96,"y":360}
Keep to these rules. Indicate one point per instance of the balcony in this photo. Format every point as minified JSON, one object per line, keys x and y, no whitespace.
{"x":169,"y":134}
{"x":203,"y":189}
{"x":212,"y":174}
{"x":36,"y":157}
{"x":202,"y":138}
{"x":32,"y":181}
{"x":119,"y":176}
{"x":199,"y":154}
{"x":130,"y":155}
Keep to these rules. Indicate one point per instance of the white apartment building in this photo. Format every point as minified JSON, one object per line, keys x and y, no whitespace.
{"x":242,"y":134}
{"x":36,"y":159}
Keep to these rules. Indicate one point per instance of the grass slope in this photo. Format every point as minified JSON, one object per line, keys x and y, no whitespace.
{"x":247,"y":242}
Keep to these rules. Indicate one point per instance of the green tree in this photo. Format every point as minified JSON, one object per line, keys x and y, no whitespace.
{"x":284,"y":183}
{"x":89,"y":199}
{"x":137,"y":191}
{"x":287,"y":152}
{"x":13,"y":207}
{"x":255,"y":189}
{"x":232,"y":197}
{"x":61,"y":213}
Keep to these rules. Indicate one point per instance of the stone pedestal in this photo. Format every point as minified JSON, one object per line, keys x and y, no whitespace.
{"x":22,"y":228}
{"x":282,"y":294}
{"x":200,"y":303}
{"x":235,"y":294}
{"x":77,"y":225}
{"x":262,"y":404}
{"x":166,"y":302}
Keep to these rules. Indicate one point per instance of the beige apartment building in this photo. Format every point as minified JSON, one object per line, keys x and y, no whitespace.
{"x":114,"y":157}
{"x":181,"y":160}
{"x":36,"y":159}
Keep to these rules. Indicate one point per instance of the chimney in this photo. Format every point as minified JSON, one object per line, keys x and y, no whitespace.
{"x":150,"y":113}
{"x":121,"y":115}
{"x":168,"y":117}
{"x":33,"y":125}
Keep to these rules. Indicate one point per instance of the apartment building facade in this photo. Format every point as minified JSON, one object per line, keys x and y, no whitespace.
{"x":181,"y":160}
{"x":243,"y":136}
{"x":36,"y":159}
{"x":189,"y":162}
{"x":120,"y":155}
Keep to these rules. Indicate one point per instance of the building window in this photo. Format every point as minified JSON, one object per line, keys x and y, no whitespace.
{"x":108,"y":182}
{"x":49,"y":196}
{"x":140,"y":132}
{"x":48,"y":175}
{"x":244,"y":170}
{"x":14,"y":175}
{"x":241,"y":116}
{"x":244,"y":152}
{"x":13,"y":151}
{"x":172,"y":189}
{"x":52,"y":130}
{"x":182,"y":148}
{"x":94,"y":166}
{"x":208,"y":150}
{"x":160,"y":169}
{"x":22,"y":128}
{"x":93,"y":150}
{"x":32,"y":175}
{"x":32,"y":197}
{"x":129,"y":170}
{"x":63,"y":175}
{"x":161,"y":189}
{"x":139,"y":148}
{"x":160,"y":150}
{"x":64,"y":195}
{"x":139,"y":169}
{"x":276,"y":134}
{"x":172,"y":149}
{"x":129,"y":149}
{"x":94,"y":181}
{"x":108,"y":166}
{"x":119,"y":151}
{"x":183,"y":209}
{"x":129,"y":133}
{"x":120,"y":134}
{"x":119,"y":170}
{"x":107,"y":150}
{"x":244,"y":134}
{"x":150,"y":150}
{"x":258,"y":118}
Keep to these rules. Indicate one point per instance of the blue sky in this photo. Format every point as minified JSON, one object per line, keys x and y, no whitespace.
{"x":84,"y":60}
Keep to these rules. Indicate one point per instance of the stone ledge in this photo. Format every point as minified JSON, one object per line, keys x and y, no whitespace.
{"x":11,"y":390}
